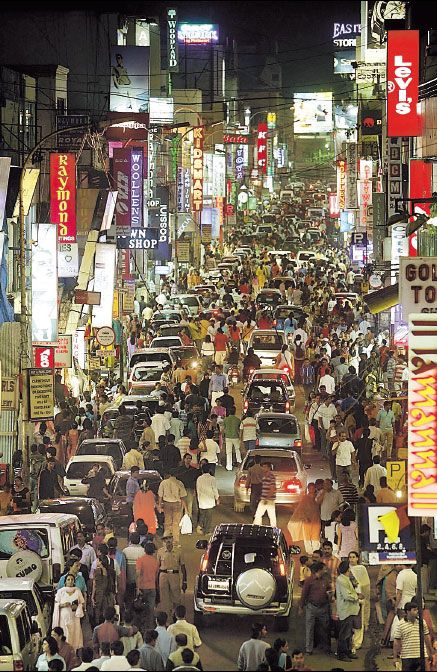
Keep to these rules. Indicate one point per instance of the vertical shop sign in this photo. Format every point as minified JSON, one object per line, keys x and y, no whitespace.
{"x":378,"y":201}
{"x":136,"y":187}
{"x":197,"y":168}
{"x":121,"y":174}
{"x":239,"y":163}
{"x":351,"y":176}
{"x":172,"y":42}
{"x":162,"y":251}
{"x":420,"y":187}
{"x":365,"y":189}
{"x":187,"y":190}
{"x":402,"y":83}
{"x":262,"y":148}
{"x":422,"y":415}
{"x":394,"y":173}
{"x":63,"y":195}
{"x":341,"y":184}
{"x":44,"y":284}
{"x":104,"y":276}
{"x":180,"y":189}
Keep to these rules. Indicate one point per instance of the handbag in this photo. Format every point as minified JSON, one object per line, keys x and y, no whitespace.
{"x":186,"y":525}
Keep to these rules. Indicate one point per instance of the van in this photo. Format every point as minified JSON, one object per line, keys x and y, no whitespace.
{"x":39,"y":608}
{"x":36,"y":547}
{"x":18,"y":650}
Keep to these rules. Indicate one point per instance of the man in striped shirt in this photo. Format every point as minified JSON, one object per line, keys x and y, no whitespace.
{"x":268,"y":496}
{"x":407,"y":639}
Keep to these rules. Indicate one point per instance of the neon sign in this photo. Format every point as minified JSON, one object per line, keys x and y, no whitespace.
{"x":197,"y":168}
{"x":63,"y":195}
{"x":198,"y":33}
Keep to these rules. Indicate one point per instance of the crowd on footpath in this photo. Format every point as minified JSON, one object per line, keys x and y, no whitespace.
{"x":354,"y":386}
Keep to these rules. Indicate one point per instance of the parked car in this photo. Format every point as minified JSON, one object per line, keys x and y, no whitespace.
{"x":18,"y":650}
{"x":290,"y":473}
{"x":142,"y":379}
{"x":166,"y":342}
{"x":78,"y":468}
{"x":276,"y":374}
{"x":269,"y":395}
{"x":245,"y":570}
{"x":90,"y":511}
{"x":190,"y":301}
{"x":279,"y":430}
{"x":39,"y":608}
{"x":268,"y":298}
{"x":120,"y":511}
{"x":267,"y":344}
{"x":115,"y":448}
{"x":168,"y":314}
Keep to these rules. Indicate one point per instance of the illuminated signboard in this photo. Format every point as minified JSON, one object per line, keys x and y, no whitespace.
{"x":334,"y":211}
{"x":130,"y":84}
{"x":418,"y":284}
{"x":104,"y":276}
{"x":235,"y":139}
{"x":422,"y":415}
{"x":313,"y":112}
{"x":198,"y":33}
{"x":419,"y":186}
{"x":262,"y":148}
{"x":63,"y":195}
{"x":121,"y":172}
{"x":239,"y":163}
{"x":161,"y":110}
{"x":341,"y":184}
{"x":351,"y":176}
{"x":365,"y":189}
{"x":136,"y":187}
{"x":402,"y":83}
{"x":172,"y":44}
{"x":44,"y":284}
{"x":197,"y":168}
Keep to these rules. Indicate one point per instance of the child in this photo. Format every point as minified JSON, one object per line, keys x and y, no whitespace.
{"x":304,"y":570}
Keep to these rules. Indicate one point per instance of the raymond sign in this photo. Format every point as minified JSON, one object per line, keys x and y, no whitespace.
{"x":41,"y":394}
{"x":9,"y":394}
{"x":262,"y":148}
{"x":197,"y":168}
{"x":63,"y":195}
{"x":402,"y":83}
{"x":422,"y":415}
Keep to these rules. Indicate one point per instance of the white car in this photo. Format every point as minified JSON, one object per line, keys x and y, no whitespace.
{"x":79,"y":467}
{"x":166,"y":342}
{"x":142,"y":379}
{"x":267,"y":344}
{"x":276,"y":374}
{"x":29,"y":591}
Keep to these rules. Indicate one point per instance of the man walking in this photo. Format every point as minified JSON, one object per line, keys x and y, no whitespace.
{"x":207,"y":497}
{"x":348,"y":606}
{"x":386,"y":421}
{"x":172,"y":500}
{"x":325,"y":413}
{"x":217,"y":384}
{"x":171,"y":567}
{"x":406,"y":647}
{"x":231,"y":428}
{"x":254,"y":483}
{"x":329,"y":501}
{"x":344,"y":451}
{"x":252,"y":652}
{"x":147,"y":574}
{"x":315,"y":599}
{"x":267,"y":503}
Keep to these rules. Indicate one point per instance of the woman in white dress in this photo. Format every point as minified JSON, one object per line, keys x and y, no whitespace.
{"x":359,"y":572}
{"x":68,"y":611}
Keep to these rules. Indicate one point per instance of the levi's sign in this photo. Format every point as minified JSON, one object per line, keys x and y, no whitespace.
{"x":402,"y":83}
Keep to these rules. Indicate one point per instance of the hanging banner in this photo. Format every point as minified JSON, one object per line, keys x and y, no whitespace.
{"x":386,"y":534}
{"x":44,"y":358}
{"x":262,"y":148}
{"x":334,"y":211}
{"x":44,"y":284}
{"x":197,"y":168}
{"x":104,"y":277}
{"x":172,"y":42}
{"x":402,"y":83}
{"x":68,"y":260}
{"x":129,"y":79}
{"x":64,"y":352}
{"x":351,"y":176}
{"x":418,"y":284}
{"x":341,"y":184}
{"x":422,"y":415}
{"x":136,"y":187}
{"x":420,"y":186}
{"x":163,"y":249}
{"x":121,"y":171}
{"x":41,"y":394}
{"x":9,"y":395}
{"x":378,"y":200}
{"x":219,"y":175}
{"x":239,"y":163}
{"x":365,"y":189}
{"x":394,"y":172}
{"x":63,"y":195}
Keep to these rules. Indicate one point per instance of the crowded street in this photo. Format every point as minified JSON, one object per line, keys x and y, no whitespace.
{"x":218,"y":365}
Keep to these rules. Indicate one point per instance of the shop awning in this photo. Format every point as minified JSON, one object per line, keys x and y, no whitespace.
{"x":382,"y":299}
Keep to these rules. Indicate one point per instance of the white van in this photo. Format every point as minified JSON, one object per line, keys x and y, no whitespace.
{"x":18,"y":649}
{"x":38,"y":607}
{"x":36,"y":547}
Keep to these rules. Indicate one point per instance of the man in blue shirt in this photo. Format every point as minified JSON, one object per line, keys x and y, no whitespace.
{"x":132,"y":487}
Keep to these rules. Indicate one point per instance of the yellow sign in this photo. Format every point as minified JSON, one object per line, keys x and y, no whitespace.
{"x":9,"y":394}
{"x":41,"y":394}
{"x":396,"y":475}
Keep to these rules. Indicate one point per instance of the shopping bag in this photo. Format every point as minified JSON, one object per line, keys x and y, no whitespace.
{"x":186,"y":525}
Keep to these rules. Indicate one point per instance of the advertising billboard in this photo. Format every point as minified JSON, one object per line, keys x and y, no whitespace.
{"x":41,"y":394}
{"x":136,"y":187}
{"x":341,"y":184}
{"x":104,"y":276}
{"x":313,"y":112}
{"x":343,"y":62}
{"x":418,"y":284}
{"x":197,"y":168}
{"x":198,"y":33}
{"x":403,"y":83}
{"x":130,"y":83}
{"x":161,"y":110}
{"x":219,"y":175}
{"x":68,"y":260}
{"x":44,"y":284}
{"x":63,"y":195}
{"x":127,"y":170}
{"x":386,"y":534}
{"x":163,"y":249}
{"x":420,"y":186}
{"x":422,"y":415}
{"x":351,"y":176}
{"x":262,"y":148}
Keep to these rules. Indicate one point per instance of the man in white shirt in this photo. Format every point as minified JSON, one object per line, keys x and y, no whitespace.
{"x":344,"y":451}
{"x":374,"y":473}
{"x":207,"y":497}
{"x":325,"y":413}
{"x":406,"y":586}
{"x":132,"y":552}
{"x":160,"y":424}
{"x":328,"y":381}
{"x":88,"y":552}
{"x":212,"y":451}
{"x":303,"y":334}
{"x":252,"y":652}
{"x":117,"y":660}
{"x":165,"y":644}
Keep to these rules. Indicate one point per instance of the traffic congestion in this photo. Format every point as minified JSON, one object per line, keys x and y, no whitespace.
{"x":201,"y":505}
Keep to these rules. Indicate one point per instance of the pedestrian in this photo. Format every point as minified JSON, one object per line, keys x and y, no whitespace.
{"x":307,"y":377}
{"x":132,"y":552}
{"x":65,"y":650}
{"x":109,"y":631}
{"x":105,"y":654}
{"x":68,"y":611}
{"x":207,"y":498}
{"x":386,"y":420}
{"x":348,"y":490}
{"x":281,"y":647}
{"x":347,"y":534}
{"x":374,"y":474}
{"x":329,"y":500}
{"x":348,"y":607}
{"x":182,"y":626}
{"x":231,"y":430}
{"x":248,"y":431}
{"x":254,"y":482}
{"x":50,"y":652}
{"x":406,"y":646}
{"x":144,"y":507}
{"x":88,"y":552}
{"x":361,"y":575}
{"x":364,"y":447}
{"x":217,"y":384}
{"x":267,"y":503}
{"x":102,"y":589}
{"x":315,"y":600}
{"x":304,"y":523}
{"x":406,"y":586}
{"x":210,"y":451}
{"x":325,"y":413}
{"x":252,"y":652}
{"x":165,"y":644}
{"x":188,"y":475}
{"x":147,"y":568}
{"x":298,"y":661}
{"x":344,"y":452}
{"x":172,"y":501}
{"x":177,"y":659}
{"x":171,"y":570}
{"x":118,"y":660}
{"x":132,"y":487}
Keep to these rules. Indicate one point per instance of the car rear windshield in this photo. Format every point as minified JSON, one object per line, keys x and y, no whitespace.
{"x":24,"y":539}
{"x":277,"y":426}
{"x":184,"y":353}
{"x":79,"y":470}
{"x":283,"y":313}
{"x":111,"y":449}
{"x":150,"y":357}
{"x":267,"y":342}
{"x":146,"y":374}
{"x":306,"y":257}
{"x":268,"y":297}
{"x":279,"y":463}
{"x":187,"y":300}
{"x":5,"y":636}
{"x":164,"y":342}
{"x":266,"y":392}
{"x":25,"y":595}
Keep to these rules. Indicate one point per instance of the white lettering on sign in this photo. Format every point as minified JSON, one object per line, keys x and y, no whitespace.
{"x":346,"y":29}
{"x":403,"y":80}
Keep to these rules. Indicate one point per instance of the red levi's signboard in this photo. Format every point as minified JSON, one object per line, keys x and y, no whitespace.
{"x":63,"y":195}
{"x":402,"y":83}
{"x":262,"y":148}
{"x":420,"y":187}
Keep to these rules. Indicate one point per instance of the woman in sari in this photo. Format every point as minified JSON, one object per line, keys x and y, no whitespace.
{"x":68,"y":611}
{"x":304,"y":524}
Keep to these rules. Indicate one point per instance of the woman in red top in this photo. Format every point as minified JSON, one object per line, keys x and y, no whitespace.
{"x":265,"y":321}
{"x":221,"y":344}
{"x":235,"y":335}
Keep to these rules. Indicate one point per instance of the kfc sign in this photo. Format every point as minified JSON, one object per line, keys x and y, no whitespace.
{"x":63,"y":195}
{"x":402,"y":83}
{"x":262,"y":148}
{"x":197,"y":168}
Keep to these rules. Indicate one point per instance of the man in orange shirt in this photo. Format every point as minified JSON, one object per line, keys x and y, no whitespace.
{"x":147,"y":576}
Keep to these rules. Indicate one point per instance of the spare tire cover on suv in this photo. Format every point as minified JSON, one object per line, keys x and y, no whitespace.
{"x":256,"y":588}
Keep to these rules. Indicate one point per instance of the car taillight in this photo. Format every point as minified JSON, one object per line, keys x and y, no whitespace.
{"x":242,"y":482}
{"x":294,"y":485}
{"x":204,"y":562}
{"x":56,"y":572}
{"x":246,"y":405}
{"x":286,"y":369}
{"x":256,"y":442}
{"x":298,"y":443}
{"x":281,"y":568}
{"x":287,"y":406}
{"x":275,"y":322}
{"x":18,"y":665}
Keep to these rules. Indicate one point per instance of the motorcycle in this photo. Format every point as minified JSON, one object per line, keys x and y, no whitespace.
{"x":234,"y":375}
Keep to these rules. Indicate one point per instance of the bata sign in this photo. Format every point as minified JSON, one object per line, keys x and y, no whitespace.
{"x":422,"y":415}
{"x":402,"y":83}
{"x":63,"y":195}
{"x":197,"y":168}
{"x":235,"y":139}
{"x":418,"y":284}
